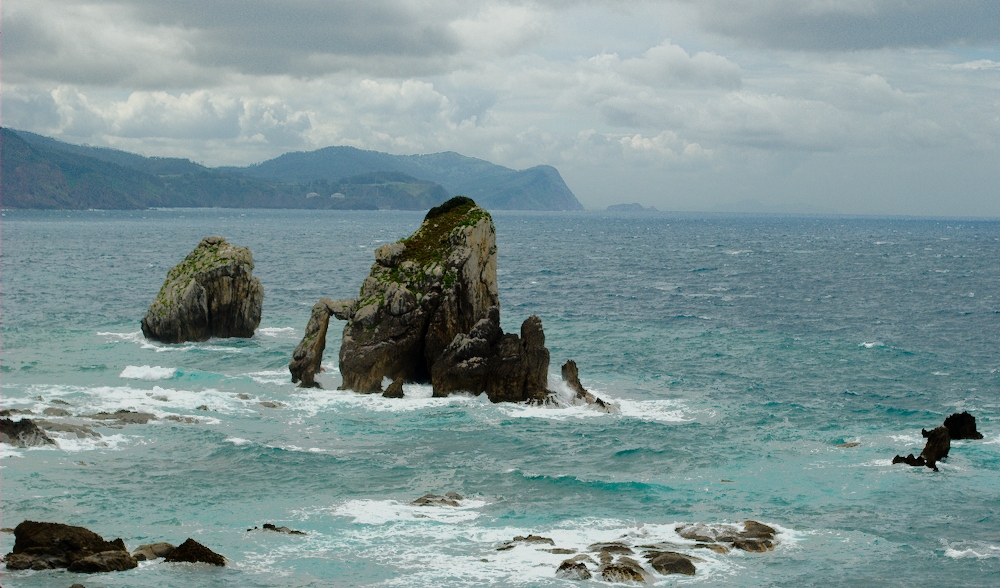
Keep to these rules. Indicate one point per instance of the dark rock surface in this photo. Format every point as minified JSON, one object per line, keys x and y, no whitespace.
{"x":192,"y":551}
{"x":962,"y":426}
{"x":124,"y":417}
{"x":755,"y":536}
{"x":23,"y":433}
{"x":571,"y":375}
{"x":41,"y":546}
{"x":308,"y":355}
{"x":211,"y":293}
{"x":670,"y":562}
{"x":150,"y":551}
{"x":105,"y":561}
{"x":937,"y":447}
{"x":420,"y":294}
{"x":286,"y":530}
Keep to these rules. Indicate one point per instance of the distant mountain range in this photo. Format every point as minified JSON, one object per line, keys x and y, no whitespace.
{"x":41,"y":172}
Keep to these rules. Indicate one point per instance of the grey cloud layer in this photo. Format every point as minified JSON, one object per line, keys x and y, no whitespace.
{"x":234,"y":83}
{"x":834,"y":25}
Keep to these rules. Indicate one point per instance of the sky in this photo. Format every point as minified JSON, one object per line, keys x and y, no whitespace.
{"x":815,"y":106}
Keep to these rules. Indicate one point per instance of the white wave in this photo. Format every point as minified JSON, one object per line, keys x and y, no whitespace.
{"x":871,"y":344}
{"x":392,"y":533}
{"x":145,"y":372}
{"x":271,"y":377}
{"x":415,"y":397}
{"x":380,"y":512}
{"x":977,"y":550}
{"x":939,"y":373}
{"x":907,"y":438}
{"x":137,"y":337}
{"x":660,"y":411}
{"x":278,"y":331}
{"x":738,"y":252}
{"x":162,"y":402}
{"x":73,"y":444}
{"x":993,"y":441}
{"x":237,"y":441}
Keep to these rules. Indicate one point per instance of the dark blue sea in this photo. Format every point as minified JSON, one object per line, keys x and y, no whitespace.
{"x":743,"y":352}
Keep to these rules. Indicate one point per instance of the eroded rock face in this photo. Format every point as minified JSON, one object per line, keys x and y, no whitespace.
{"x":508,"y":368}
{"x":420,"y":294}
{"x":308,"y":355}
{"x":212,"y":293}
{"x":962,"y":426}
{"x":23,"y":433}
{"x":571,"y":375}
{"x":41,"y":546}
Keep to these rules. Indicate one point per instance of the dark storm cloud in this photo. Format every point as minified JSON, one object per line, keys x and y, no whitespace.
{"x":301,"y":36}
{"x":147,"y":44}
{"x":825,"y":25}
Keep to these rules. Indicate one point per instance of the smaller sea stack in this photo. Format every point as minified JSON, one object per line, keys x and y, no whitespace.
{"x":212,"y":293}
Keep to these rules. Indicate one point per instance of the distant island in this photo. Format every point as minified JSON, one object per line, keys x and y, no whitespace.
{"x":44,"y":173}
{"x":631,"y":207}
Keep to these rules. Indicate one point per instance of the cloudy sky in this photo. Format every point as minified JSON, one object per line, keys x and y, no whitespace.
{"x":849,"y":106}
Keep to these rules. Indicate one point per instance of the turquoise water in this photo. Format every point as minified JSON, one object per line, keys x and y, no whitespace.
{"x":741,"y":351}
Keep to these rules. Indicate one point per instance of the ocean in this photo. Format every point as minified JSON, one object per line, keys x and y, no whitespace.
{"x":743,"y":352}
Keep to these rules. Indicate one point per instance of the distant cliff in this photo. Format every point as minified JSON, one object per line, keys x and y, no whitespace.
{"x":493,"y":186}
{"x":41,"y":172}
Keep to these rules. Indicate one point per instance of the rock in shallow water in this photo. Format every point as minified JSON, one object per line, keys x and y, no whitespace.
{"x":212,"y":293}
{"x":23,"y":433}
{"x":150,"y":551}
{"x":105,"y":561}
{"x":419,"y":295}
{"x":669,"y":562}
{"x":194,"y":552}
{"x":573,"y":570}
{"x":308,"y":355}
{"x":41,"y":546}
{"x":962,"y":426}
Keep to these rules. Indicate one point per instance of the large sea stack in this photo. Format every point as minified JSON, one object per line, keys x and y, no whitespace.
{"x":421,"y":293}
{"x":212,"y":293}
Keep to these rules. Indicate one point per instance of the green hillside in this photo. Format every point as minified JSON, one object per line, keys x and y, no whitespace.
{"x":41,"y":172}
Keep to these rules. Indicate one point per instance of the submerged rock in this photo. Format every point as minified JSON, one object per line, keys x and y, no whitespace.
{"x":573,"y":570}
{"x":124,"y":417}
{"x":150,"y":551}
{"x":671,"y":562}
{"x":962,"y":426}
{"x":625,"y":570}
{"x":449,"y":499}
{"x":212,"y":293}
{"x":192,"y":551}
{"x":23,"y":433}
{"x":105,"y":561}
{"x":537,"y":539}
{"x":308,"y":354}
{"x":754,"y":537}
{"x":41,"y":546}
{"x":420,"y":294}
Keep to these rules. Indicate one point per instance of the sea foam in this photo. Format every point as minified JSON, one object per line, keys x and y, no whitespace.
{"x":145,"y":372}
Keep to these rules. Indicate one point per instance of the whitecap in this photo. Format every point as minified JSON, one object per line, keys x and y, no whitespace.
{"x":977,"y":550}
{"x":271,"y":377}
{"x":74,"y":444}
{"x":237,"y":441}
{"x":380,"y":512}
{"x":871,"y":344}
{"x":939,"y":373}
{"x":278,"y":331}
{"x":145,"y":372}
